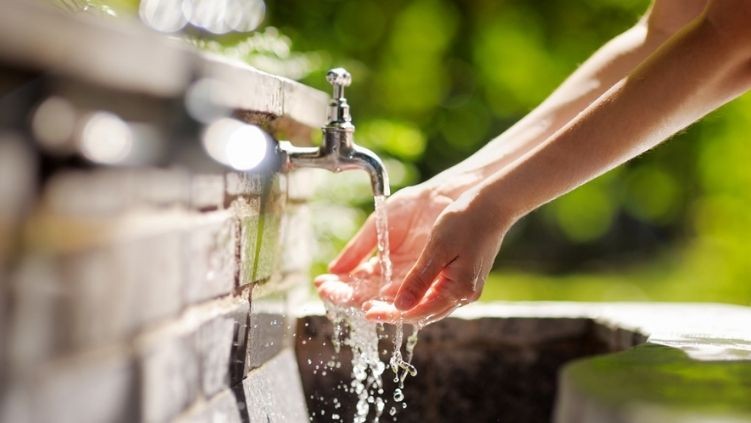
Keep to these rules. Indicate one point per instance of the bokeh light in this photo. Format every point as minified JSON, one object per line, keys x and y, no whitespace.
{"x":236,"y":144}
{"x":54,"y":123}
{"x":105,"y":138}
{"x":216,"y":16}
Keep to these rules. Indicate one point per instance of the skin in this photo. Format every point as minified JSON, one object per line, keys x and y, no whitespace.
{"x":683,"y":59}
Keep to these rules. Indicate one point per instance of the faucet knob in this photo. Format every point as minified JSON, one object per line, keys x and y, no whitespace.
{"x":339,"y":77}
{"x":338,"y":107}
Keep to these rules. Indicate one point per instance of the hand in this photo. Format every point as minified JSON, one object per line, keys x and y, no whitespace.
{"x":452,"y":267}
{"x":411,"y":214}
{"x":353,"y":289}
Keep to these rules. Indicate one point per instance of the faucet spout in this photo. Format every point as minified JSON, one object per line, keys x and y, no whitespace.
{"x":338,"y":151}
{"x":350,"y":159}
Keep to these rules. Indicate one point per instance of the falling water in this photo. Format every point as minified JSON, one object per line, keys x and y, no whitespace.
{"x":362,"y":336}
{"x":382,"y":233}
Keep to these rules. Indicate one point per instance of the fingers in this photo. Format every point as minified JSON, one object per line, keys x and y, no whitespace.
{"x":427,"y":311}
{"x":334,"y":290}
{"x":359,"y":247}
{"x":421,"y":276}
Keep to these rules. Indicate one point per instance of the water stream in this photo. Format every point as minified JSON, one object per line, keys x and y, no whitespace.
{"x":352,"y":330}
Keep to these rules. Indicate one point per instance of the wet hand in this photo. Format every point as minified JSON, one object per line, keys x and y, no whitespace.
{"x":451,"y":269}
{"x":356,"y":276}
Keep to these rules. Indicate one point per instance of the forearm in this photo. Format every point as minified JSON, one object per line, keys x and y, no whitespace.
{"x":604,"y":68}
{"x":699,"y":69}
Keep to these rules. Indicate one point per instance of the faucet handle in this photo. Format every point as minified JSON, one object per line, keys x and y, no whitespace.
{"x":339,"y":77}
{"x":338,"y":107}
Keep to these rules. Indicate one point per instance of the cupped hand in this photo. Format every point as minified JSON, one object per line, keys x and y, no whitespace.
{"x":452,"y":266}
{"x":356,"y":276}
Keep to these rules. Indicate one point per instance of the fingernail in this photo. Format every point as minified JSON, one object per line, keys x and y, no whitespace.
{"x":405,"y":301}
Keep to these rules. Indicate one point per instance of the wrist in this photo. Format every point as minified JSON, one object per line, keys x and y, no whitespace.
{"x":501,"y":206}
{"x":452,"y":183}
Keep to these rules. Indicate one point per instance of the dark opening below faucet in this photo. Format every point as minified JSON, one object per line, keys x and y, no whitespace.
{"x":338,"y":150}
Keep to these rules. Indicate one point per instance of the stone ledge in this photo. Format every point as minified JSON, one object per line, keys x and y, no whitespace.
{"x":501,"y":360}
{"x":124,"y":55}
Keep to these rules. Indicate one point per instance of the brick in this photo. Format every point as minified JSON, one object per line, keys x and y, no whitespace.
{"x":274,"y":393}
{"x":240,"y":315}
{"x":33,"y":331}
{"x":93,"y":388}
{"x":214,"y":340}
{"x":301,"y":184}
{"x":222,"y":408}
{"x":169,"y":374}
{"x":268,"y":333}
{"x":151,"y":267}
{"x":259,"y":247}
{"x":15,"y":403}
{"x":17,"y":184}
{"x":88,"y":193}
{"x":243,"y":184}
{"x":209,"y":258}
{"x":94,"y":298}
{"x":297,"y":239}
{"x":159,"y":187}
{"x":207,"y":192}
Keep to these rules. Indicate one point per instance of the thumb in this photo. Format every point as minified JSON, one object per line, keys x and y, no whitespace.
{"x":429,"y":265}
{"x":357,"y":249}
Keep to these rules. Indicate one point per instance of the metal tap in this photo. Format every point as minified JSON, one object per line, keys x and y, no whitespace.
{"x":338,"y":150}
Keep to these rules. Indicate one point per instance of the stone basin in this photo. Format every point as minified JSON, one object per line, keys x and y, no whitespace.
{"x":561,"y":362}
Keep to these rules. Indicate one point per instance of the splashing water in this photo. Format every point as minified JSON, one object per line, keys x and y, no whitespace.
{"x":398,"y":364}
{"x":352,"y":330}
{"x":361,"y":336}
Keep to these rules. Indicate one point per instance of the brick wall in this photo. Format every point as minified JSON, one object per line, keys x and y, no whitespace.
{"x":149,"y":295}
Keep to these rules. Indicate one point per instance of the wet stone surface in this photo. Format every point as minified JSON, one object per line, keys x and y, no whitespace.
{"x":468,"y":370}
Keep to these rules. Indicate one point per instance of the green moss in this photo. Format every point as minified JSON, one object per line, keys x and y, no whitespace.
{"x":664,"y":376}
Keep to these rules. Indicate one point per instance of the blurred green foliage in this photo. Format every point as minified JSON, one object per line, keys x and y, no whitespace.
{"x":436,"y":79}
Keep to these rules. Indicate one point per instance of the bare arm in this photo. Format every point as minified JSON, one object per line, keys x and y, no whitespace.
{"x":607,"y":66}
{"x":603,"y":69}
{"x":700,"y":68}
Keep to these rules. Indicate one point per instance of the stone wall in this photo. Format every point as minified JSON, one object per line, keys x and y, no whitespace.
{"x":149,"y":294}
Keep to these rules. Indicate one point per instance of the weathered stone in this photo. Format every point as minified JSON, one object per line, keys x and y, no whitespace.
{"x":259,"y":247}
{"x":94,"y":298}
{"x":243,"y":184}
{"x":89,"y":389}
{"x":169,"y":375}
{"x":655,"y":383}
{"x":209,"y":257}
{"x":88,"y":193}
{"x":301,"y":184}
{"x":273,"y":391}
{"x":240,"y":316}
{"x":222,"y":408}
{"x":159,"y":187}
{"x":268,"y":333}
{"x":207,"y":192}
{"x":17,"y":177}
{"x":214,"y":341}
{"x":297,"y":239}
{"x":33,"y":327}
{"x":468,"y":370}
{"x":152,"y":268}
